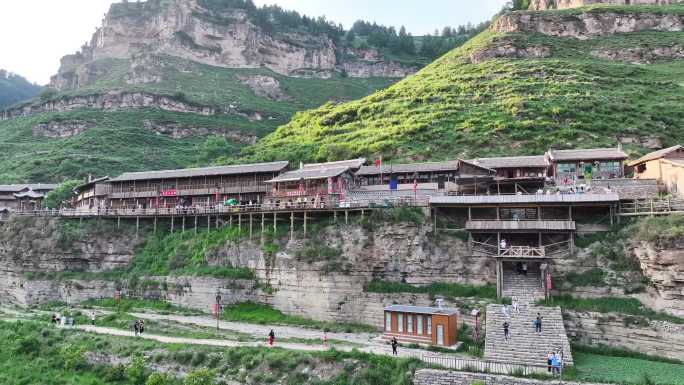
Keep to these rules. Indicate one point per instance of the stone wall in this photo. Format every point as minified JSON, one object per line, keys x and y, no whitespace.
{"x":443,"y":377}
{"x":657,"y":338}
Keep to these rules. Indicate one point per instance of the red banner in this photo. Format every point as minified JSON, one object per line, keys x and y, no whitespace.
{"x":117,"y":295}
{"x":549,"y":283}
{"x":169,"y":193}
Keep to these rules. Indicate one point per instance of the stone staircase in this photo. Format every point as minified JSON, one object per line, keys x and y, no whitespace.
{"x":525,"y":346}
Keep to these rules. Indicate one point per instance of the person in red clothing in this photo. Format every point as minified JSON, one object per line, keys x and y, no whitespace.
{"x":271,"y":338}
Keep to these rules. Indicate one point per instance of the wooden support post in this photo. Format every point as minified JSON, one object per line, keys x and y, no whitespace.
{"x":540,"y":239}
{"x":304,"y":224}
{"x":346,"y":217}
{"x":291,"y":225}
{"x":572,"y":242}
{"x":570,"y":213}
{"x":335,"y":216}
{"x":470,"y":213}
{"x":195,"y":224}
{"x":239,"y":224}
{"x":172,"y":223}
{"x":652,"y":211}
{"x":434,"y":215}
{"x":499,"y":273}
{"x":498,"y":242}
{"x":498,"y":214}
{"x":275,"y":224}
{"x":250,"y":225}
{"x":363,"y":212}
{"x":263,"y":219}
{"x":183,"y":224}
{"x":230,"y":222}
{"x":154,"y":231}
{"x":208,"y":222}
{"x":612,"y":209}
{"x":217,"y":221}
{"x":137,"y":226}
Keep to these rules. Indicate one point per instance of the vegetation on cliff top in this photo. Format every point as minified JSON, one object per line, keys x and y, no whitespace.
{"x":466,"y":105}
{"x":15,"y":88}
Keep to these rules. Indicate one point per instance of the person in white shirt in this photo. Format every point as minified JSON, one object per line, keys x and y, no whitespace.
{"x":516,"y":309}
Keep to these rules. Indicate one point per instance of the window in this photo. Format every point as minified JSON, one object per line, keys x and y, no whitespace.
{"x":388,"y":321}
{"x":409,"y":325}
{"x":419,"y":325}
{"x":400,"y":322}
{"x":429,"y":325}
{"x":567,"y":168}
{"x":610,"y":167}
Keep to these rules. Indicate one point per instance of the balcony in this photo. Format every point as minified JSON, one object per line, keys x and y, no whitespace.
{"x":522,"y":225}
{"x":190,"y":190}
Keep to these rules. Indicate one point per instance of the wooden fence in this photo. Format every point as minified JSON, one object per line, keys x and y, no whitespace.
{"x":651,"y":207}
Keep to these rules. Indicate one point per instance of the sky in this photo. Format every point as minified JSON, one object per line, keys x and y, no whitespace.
{"x":35,"y":34}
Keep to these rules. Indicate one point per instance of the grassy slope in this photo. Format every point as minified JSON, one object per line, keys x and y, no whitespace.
{"x":457,"y":108}
{"x":592,"y":367}
{"x":119,"y":142}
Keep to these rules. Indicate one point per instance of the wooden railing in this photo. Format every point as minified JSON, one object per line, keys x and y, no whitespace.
{"x":651,"y":207}
{"x":553,"y":249}
{"x":482,"y":366}
{"x":222,"y":210}
{"x":523,"y":252}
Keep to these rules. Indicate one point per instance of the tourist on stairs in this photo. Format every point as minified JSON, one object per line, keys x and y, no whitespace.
{"x":506,"y":332}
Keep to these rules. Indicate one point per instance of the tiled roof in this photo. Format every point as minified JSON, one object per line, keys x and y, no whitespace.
{"x":656,"y":155}
{"x":518,"y":199}
{"x":421,"y":309}
{"x":451,"y":165}
{"x":586,"y":154}
{"x":311,"y":173}
{"x":204,"y":171}
{"x":352,"y":163}
{"x":14,"y":188}
{"x":512,"y":161}
{"x":90,"y":183}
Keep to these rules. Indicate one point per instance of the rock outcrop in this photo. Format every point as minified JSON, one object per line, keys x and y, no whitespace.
{"x":110,"y":101}
{"x":543,"y":5}
{"x":265,"y":86}
{"x":177,"y":130}
{"x":663,"y":265}
{"x":61,"y":129}
{"x":587,"y":25}
{"x":227,"y":38}
{"x":641,"y":55}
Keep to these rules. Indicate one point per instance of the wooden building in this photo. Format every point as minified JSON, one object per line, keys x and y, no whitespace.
{"x":666,"y":166}
{"x":207,"y":186}
{"x":430,"y":175}
{"x":516,"y":173}
{"x":422,"y":325}
{"x":573,"y":166}
{"x":316,"y":185}
{"x":17,"y":197}
{"x":93,"y":195}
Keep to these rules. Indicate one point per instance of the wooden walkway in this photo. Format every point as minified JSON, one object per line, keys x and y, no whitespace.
{"x":651,"y":207}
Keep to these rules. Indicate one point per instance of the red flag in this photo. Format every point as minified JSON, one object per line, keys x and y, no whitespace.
{"x":415,"y":184}
{"x":378,"y":162}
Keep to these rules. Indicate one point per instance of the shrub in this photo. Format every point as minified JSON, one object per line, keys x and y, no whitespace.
{"x":158,"y":379}
{"x":201,"y":377}
{"x":136,"y":370}
{"x":61,"y":194}
{"x":73,"y":357}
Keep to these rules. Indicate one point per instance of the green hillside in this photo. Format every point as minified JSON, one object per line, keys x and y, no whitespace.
{"x":460,"y":107}
{"x":118,"y":140}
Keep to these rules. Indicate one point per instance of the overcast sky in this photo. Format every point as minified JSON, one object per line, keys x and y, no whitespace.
{"x":35,"y":34}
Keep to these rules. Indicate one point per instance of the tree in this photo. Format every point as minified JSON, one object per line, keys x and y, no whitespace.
{"x":136,"y":370}
{"x":62,"y":194}
{"x":158,"y":379}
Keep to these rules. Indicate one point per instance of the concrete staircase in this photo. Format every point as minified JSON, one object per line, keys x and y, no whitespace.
{"x":524,"y":345}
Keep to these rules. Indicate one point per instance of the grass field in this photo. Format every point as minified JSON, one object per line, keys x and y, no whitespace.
{"x":448,"y":290}
{"x":628,"y":306}
{"x":623,"y":370}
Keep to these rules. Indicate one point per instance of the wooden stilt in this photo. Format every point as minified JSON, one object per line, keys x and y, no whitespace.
{"x":335,"y":216}
{"x":118,"y":222}
{"x":230,"y":222}
{"x":346,"y":217}
{"x":217,"y":221}
{"x":305,"y":224}
{"x":263,"y":218}
{"x":292,"y":225}
{"x":434,"y":217}
{"x":137,"y":226}
{"x":275,"y":224}
{"x":195,"y":224}
{"x":172,"y":224}
{"x":208,"y":222}
{"x":183,"y":224}
{"x":154,"y":226}
{"x":239,"y":224}
{"x":250,"y":226}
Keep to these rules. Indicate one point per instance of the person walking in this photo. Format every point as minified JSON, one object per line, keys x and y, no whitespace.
{"x":548,"y":361}
{"x":141,"y":327}
{"x":395,"y":343}
{"x":54,"y":319}
{"x":524,"y":268}
{"x":325,"y":339}
{"x":506,"y":331}
{"x":516,"y":309}
{"x":505,"y":312}
{"x":92,"y":318}
{"x":538,"y":324}
{"x":271,"y":338}
{"x":136,"y":327}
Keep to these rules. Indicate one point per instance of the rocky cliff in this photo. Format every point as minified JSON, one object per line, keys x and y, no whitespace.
{"x":226,"y":38}
{"x":543,"y":5}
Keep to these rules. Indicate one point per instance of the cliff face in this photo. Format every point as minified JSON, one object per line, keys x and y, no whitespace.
{"x":587,"y":25}
{"x":542,"y":5}
{"x":663,"y":264}
{"x":228,"y":38}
